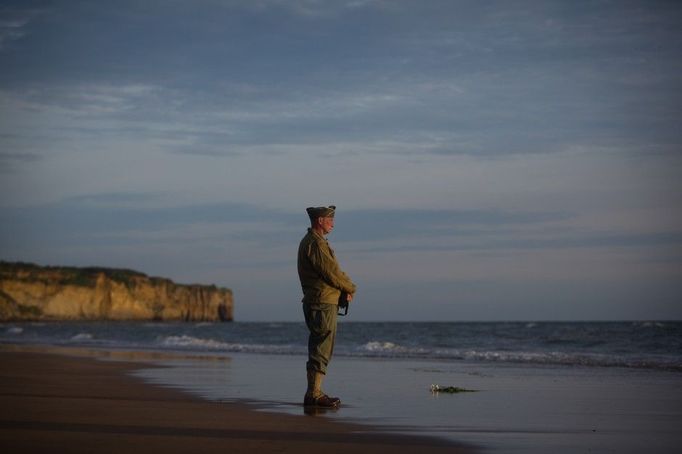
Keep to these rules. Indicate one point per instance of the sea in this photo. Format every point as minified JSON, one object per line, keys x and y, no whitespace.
{"x":536,"y":387}
{"x":632,"y":344}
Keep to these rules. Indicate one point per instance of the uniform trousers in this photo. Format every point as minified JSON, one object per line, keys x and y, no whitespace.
{"x":321,"y":322}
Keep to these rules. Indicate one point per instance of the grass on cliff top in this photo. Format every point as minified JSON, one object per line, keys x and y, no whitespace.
{"x":84,"y":277}
{"x":66,"y":275}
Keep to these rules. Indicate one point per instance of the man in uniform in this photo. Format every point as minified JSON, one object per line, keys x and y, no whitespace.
{"x":323,"y":284}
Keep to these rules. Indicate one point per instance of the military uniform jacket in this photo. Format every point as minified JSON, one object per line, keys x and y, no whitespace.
{"x":321,"y":277}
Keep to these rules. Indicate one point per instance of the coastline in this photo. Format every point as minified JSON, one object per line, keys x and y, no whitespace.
{"x":61,"y":400}
{"x":626,"y":398}
{"x":519,"y":408}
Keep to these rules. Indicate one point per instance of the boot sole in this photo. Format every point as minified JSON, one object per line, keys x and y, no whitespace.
{"x":316,"y":405}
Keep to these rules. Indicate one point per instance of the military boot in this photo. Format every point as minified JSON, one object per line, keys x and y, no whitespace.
{"x":314,"y":397}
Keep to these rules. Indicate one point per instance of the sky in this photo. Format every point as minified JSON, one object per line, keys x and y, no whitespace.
{"x":490,"y":160}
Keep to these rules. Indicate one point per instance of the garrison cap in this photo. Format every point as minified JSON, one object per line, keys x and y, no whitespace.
{"x":321,"y":212}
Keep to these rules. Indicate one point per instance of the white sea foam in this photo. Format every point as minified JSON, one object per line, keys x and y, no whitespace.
{"x":648,"y":344}
{"x":189,"y":341}
{"x":562,"y":358}
{"x":376,"y":346}
{"x":195,"y":343}
{"x":381,"y":348}
{"x":649,"y":324}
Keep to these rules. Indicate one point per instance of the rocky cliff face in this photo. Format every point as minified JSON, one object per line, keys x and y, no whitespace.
{"x":31,"y":292}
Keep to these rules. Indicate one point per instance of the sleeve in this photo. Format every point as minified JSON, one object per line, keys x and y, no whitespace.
{"x":328,"y":268}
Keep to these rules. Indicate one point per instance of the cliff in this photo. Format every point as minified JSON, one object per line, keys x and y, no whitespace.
{"x":32,"y":292}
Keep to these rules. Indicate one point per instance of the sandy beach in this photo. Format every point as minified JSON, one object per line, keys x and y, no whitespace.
{"x":52,"y":402}
{"x":518,"y":408}
{"x":106,"y":387}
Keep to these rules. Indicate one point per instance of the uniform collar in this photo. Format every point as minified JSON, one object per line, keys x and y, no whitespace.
{"x":313,"y":232}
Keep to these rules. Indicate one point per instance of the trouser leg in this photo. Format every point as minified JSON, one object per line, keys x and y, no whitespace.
{"x":321,"y":322}
{"x":314,"y":383}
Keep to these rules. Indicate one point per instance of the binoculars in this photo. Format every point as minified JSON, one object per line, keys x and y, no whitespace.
{"x":343,"y":304}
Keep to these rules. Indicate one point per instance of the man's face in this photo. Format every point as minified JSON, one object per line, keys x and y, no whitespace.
{"x":327,"y":224}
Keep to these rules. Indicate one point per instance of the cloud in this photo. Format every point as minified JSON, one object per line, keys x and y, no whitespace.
{"x":314,"y":9}
{"x":507,"y":243}
{"x":449,"y":81}
{"x":471,"y":140}
{"x":11,"y":30}
{"x":116,"y":213}
{"x":10,"y":160}
{"x":384,"y":224}
{"x":82,"y":100}
{"x":17,"y":20}
{"x":134,"y":217}
{"x":18,"y":157}
{"x":129,"y":212}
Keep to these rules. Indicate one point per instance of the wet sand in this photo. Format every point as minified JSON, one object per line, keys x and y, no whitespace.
{"x":52,"y":402}
{"x":520,"y":408}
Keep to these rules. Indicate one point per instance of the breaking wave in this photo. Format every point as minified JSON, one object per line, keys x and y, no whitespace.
{"x":392,"y":350}
{"x":389,"y":349}
{"x":642,"y":345}
{"x":195,"y":343}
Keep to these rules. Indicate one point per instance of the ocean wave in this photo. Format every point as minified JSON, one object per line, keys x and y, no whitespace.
{"x":648,"y":324}
{"x":383,"y":348}
{"x":574,"y":359}
{"x":195,"y":343}
{"x":387,"y":349}
{"x":559,"y":359}
{"x":392,"y":350}
{"x":376,"y":346}
{"x":641,"y":345}
{"x":189,"y":341}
